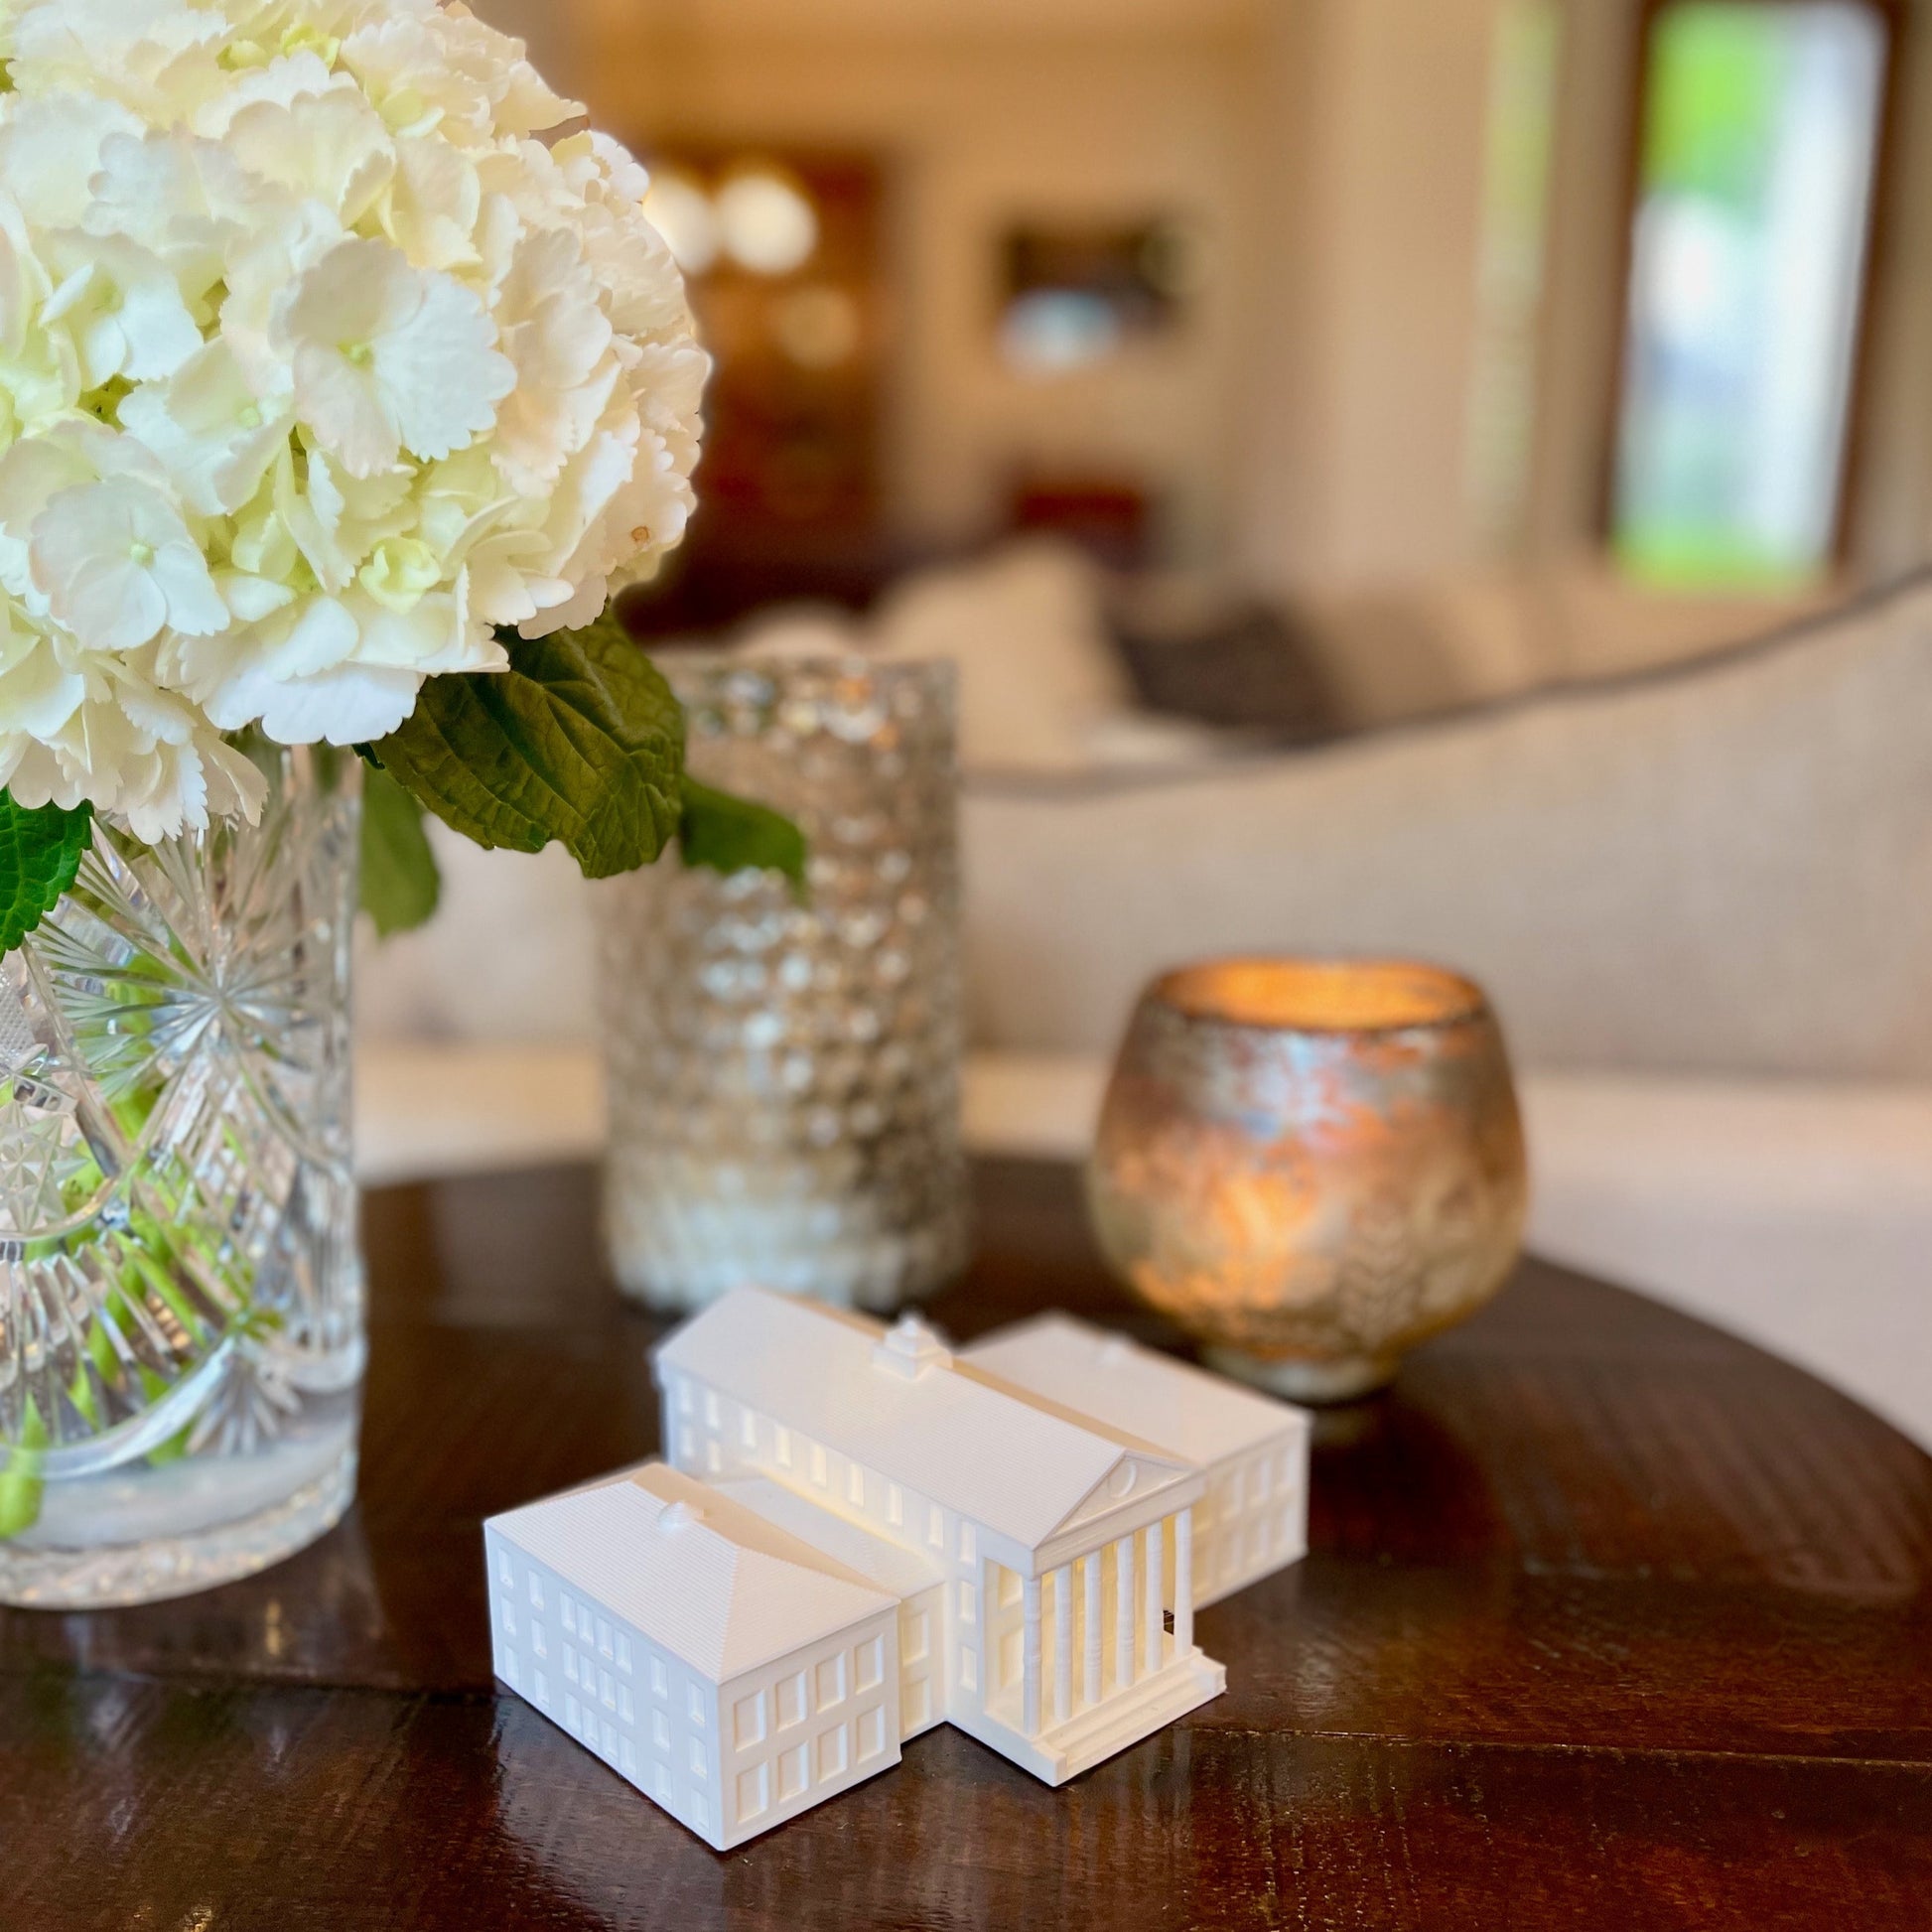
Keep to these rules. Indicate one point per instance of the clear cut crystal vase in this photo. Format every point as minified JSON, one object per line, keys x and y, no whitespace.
{"x":182,"y":1332}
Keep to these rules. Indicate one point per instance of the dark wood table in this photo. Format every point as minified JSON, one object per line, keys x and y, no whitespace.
{"x":1611,"y":1621}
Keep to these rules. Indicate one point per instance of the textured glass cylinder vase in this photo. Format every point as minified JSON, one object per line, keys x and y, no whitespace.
{"x":783,"y":1067}
{"x":181,"y":1283}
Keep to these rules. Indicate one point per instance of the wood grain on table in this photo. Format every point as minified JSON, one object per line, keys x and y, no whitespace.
{"x":1610,"y":1621}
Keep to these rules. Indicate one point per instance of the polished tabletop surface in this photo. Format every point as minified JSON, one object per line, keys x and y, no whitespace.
{"x":1610,"y":1621}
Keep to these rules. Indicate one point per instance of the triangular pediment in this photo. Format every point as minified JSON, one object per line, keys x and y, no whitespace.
{"x":1134,"y":1475}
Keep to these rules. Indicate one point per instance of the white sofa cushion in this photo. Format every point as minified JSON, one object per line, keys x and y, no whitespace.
{"x":1724,"y":868}
{"x":1797,"y":1214}
{"x":1038,"y":674}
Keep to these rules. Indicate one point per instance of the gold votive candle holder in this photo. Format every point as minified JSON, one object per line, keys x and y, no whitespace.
{"x":1311,"y":1166}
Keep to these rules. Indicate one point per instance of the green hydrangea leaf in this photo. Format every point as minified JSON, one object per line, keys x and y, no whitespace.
{"x":731,"y":834}
{"x":400,"y":883}
{"x":581,"y":741}
{"x":39,"y":853}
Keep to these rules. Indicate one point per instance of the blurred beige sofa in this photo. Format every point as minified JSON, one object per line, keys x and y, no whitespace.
{"x":1701,"y":894}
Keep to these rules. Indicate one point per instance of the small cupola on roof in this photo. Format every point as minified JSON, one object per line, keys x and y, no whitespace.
{"x":910,"y":1349}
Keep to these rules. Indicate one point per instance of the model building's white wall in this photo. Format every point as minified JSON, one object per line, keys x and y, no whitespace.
{"x":647,"y":1714}
{"x":1253,"y":1520}
{"x":807,"y":1727}
{"x":712,"y":1435}
{"x":730,"y":1761}
{"x":921,"y":1673}
{"x":1004,"y":1591}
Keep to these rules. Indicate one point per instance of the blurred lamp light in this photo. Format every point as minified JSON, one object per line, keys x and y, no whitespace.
{"x":1053,"y":330}
{"x":681,"y":211}
{"x":818,"y":327}
{"x":765,"y":222}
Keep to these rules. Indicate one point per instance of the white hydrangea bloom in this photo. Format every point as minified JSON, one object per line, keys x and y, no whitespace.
{"x":316,"y":368}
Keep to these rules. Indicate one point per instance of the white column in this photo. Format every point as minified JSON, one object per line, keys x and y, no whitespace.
{"x":1091,"y":1562}
{"x":1124,"y":1613}
{"x":1184,"y":1582}
{"x":1153,"y":1582}
{"x":1030,"y":1693}
{"x":1064,"y":1643}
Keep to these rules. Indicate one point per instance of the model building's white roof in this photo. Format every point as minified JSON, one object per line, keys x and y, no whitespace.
{"x":891,"y":1566}
{"x":715,"y":1584}
{"x":1190,"y":1413}
{"x":1014,"y":1461}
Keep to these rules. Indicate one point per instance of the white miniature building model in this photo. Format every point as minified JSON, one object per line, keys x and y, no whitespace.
{"x":1252,"y":1450}
{"x":864,"y":1535}
{"x":729,"y":1670}
{"x":1046,"y":1528}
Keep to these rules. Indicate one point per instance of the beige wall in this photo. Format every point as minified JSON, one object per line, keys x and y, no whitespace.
{"x":980,"y":129}
{"x":1357,"y":464}
{"x":1312,"y":419}
{"x":553,"y":30}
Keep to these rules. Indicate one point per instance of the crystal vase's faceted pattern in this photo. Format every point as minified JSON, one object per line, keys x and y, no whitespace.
{"x":783,"y":1072}
{"x":181,"y":1286}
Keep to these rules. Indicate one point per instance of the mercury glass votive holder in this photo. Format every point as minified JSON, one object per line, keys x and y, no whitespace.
{"x":782,"y":1067}
{"x":1312,"y":1166}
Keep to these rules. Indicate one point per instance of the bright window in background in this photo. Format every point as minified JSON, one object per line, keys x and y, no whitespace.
{"x":1760,"y":132}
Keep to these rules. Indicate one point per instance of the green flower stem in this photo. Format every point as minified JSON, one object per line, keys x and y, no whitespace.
{"x":176,"y":1446}
{"x":81,"y":1391}
{"x":21,"y":1486}
{"x":155,"y":1247}
{"x":153,"y":1270}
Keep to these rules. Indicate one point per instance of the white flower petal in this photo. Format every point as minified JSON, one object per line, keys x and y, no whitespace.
{"x":335,"y":321}
{"x":330,"y":147}
{"x":117,"y":563}
{"x":216,"y":434}
{"x":440,"y":370}
{"x":187,"y":199}
{"x":584,"y":605}
{"x":122,"y":306}
{"x":181,"y":573}
{"x":348,"y":409}
{"x":159,"y":713}
{"x":236,"y":785}
{"x":39,"y":694}
{"x":351,"y":705}
{"x":32,"y":473}
{"x":433,"y":205}
{"x":252,"y":599}
{"x":49,"y":148}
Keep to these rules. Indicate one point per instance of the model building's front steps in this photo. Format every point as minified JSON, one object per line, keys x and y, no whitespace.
{"x":1063,"y":1751}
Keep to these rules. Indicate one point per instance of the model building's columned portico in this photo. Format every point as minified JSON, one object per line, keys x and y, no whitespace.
{"x":1051,"y":1531}
{"x":1252,"y":1452}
